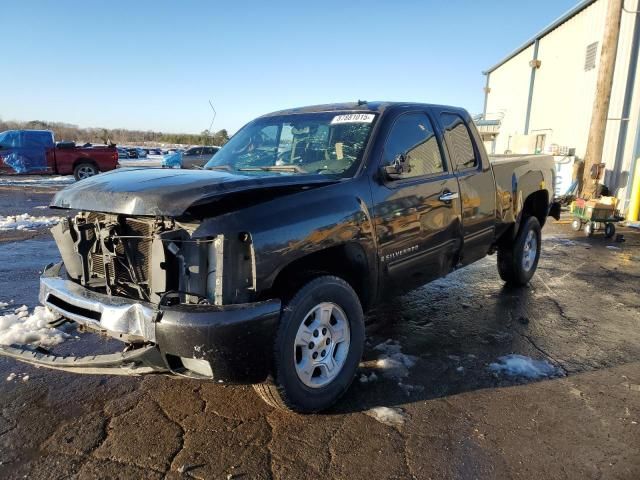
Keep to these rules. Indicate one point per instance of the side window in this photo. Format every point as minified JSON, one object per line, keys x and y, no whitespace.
{"x":10,"y":139}
{"x":413,"y":137}
{"x":458,"y":141}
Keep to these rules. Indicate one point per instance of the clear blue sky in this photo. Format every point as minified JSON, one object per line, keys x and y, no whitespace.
{"x":153,"y":65}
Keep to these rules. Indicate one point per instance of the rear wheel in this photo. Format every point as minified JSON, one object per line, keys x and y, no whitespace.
{"x":589,"y":228}
{"x":609,"y":230}
{"x":85,"y":170}
{"x":517,"y":262}
{"x":318,"y":347}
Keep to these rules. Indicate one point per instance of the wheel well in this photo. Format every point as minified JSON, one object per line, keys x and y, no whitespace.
{"x":347,"y":261}
{"x":536,"y":205}
{"x":85,"y":160}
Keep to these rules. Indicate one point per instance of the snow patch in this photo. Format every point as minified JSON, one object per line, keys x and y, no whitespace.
{"x":37,"y":180}
{"x":22,"y":328}
{"x":394,"y":417}
{"x":520,"y":366}
{"x":409,"y":389}
{"x":26,"y":222}
{"x":20,"y":376}
{"x":393,"y":362}
{"x":371,"y":378}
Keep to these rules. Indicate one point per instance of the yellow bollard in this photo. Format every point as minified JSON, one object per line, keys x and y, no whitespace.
{"x":634,"y":205}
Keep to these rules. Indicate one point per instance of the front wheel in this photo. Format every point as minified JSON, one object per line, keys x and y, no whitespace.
{"x":517,"y":262}
{"x":576,"y":225}
{"x":318,"y":347}
{"x":85,"y":170}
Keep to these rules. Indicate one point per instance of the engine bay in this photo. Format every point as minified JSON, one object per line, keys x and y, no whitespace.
{"x":155,"y":260}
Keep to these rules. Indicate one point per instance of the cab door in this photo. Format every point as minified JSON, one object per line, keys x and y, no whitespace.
{"x":416,"y":205}
{"x":475,"y":178}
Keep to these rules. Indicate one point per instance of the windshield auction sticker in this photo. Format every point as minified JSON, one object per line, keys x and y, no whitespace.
{"x":353,"y":118}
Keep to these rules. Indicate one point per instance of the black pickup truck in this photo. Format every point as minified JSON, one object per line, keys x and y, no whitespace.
{"x":258,"y":268}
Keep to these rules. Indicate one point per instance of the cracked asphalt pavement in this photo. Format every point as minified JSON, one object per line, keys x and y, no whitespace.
{"x":460,"y":419}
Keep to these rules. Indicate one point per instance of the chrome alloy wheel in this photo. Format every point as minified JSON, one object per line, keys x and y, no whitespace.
{"x":86,"y":171}
{"x":529,"y":251}
{"x":322,"y":345}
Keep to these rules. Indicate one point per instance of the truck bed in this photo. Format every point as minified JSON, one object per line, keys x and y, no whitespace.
{"x":517,"y":176}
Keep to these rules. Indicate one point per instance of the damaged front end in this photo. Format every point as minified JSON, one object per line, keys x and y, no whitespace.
{"x":182,"y":305}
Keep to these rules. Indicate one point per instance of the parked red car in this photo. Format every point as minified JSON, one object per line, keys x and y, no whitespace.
{"x":35,"y":152}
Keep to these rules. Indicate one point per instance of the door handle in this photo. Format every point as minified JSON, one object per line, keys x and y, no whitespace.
{"x":448,"y":196}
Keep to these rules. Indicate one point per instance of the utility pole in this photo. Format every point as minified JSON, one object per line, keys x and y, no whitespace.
{"x":600,"y":112}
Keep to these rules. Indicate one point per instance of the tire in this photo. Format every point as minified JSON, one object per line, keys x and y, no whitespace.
{"x":302,"y":321}
{"x":589,"y":228}
{"x":609,"y":230}
{"x":576,"y":225}
{"x":85,"y":170}
{"x":513,"y":267}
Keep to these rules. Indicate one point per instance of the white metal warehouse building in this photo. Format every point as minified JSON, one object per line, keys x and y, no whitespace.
{"x":539,"y":98}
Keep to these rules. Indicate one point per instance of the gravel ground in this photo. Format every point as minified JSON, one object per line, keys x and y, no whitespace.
{"x":449,"y":415}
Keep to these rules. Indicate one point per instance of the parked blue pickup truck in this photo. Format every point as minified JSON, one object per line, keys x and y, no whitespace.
{"x":36,"y":152}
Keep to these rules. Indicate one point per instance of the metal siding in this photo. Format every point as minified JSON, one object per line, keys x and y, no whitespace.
{"x":508,"y":96}
{"x":616,"y":107}
{"x":555,"y":24}
{"x":564,"y":93}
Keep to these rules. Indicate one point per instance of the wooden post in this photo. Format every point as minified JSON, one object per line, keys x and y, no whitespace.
{"x":600,"y":112}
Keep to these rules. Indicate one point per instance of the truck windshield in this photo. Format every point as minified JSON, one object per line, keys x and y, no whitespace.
{"x":330,"y":143}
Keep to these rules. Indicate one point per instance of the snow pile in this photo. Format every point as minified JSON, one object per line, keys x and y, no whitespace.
{"x":22,"y":328}
{"x":520,"y":366}
{"x":394,"y":417}
{"x":393,"y":362}
{"x":26,"y":222}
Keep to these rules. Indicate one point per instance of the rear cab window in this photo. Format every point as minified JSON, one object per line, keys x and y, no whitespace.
{"x":37,"y":139}
{"x":458,"y":141}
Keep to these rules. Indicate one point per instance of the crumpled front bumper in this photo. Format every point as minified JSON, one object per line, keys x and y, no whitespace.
{"x":231,"y":343}
{"x":119,"y":317}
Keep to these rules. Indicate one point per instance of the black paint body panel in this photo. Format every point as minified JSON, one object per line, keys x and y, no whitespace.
{"x":236,"y":340}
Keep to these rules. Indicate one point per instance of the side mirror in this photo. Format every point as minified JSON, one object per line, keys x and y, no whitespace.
{"x":395,"y":169}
